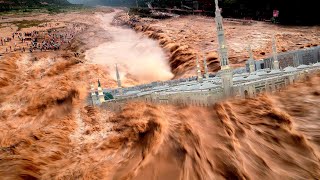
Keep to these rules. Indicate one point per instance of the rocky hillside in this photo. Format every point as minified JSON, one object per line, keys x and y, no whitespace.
{"x":6,"y":5}
{"x":33,"y":2}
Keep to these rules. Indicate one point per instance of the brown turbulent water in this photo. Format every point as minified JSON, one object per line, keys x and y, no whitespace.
{"x":48,"y":132}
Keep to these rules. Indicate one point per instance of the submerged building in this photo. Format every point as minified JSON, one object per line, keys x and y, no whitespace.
{"x":268,"y":75}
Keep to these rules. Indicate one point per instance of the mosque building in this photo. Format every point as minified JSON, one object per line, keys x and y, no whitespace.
{"x":267,"y":75}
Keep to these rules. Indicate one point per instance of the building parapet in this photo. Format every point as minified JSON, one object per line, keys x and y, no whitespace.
{"x":205,"y":97}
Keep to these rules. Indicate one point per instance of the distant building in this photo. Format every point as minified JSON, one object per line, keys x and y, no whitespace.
{"x":291,"y":58}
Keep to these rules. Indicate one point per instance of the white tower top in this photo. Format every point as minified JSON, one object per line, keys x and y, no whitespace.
{"x":251,"y":60}
{"x":223,"y":50}
{"x":119,"y":80}
{"x":93,"y":93}
{"x":250,"y":53}
{"x":118,"y":77}
{"x":100,"y":92}
{"x":198,"y":70}
{"x":274,"y":52}
{"x":217,"y":5}
{"x":99,"y":85}
{"x":205,"y":66}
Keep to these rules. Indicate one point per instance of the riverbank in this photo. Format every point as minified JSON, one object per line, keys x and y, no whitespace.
{"x":81,"y":28}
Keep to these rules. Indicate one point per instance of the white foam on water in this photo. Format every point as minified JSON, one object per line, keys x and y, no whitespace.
{"x":135,"y":54}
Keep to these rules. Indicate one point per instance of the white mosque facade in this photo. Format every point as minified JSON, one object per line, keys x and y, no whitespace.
{"x":259,"y":76}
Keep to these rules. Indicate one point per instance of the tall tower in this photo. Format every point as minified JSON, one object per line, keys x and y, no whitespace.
{"x":100,"y":93}
{"x":226,"y":71}
{"x":223,"y":50}
{"x":274,"y":52}
{"x":93,"y":95}
{"x":206,"y":75}
{"x":200,"y":78}
{"x":251,"y":60}
{"x":118,"y":80}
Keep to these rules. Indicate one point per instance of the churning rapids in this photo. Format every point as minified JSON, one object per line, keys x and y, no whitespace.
{"x":136,"y":55}
{"x":47,"y":131}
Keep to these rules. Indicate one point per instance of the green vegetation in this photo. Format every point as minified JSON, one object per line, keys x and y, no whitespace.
{"x":27,"y":24}
{"x":142,"y":12}
{"x":39,"y":6}
{"x":63,"y":9}
{"x":51,"y":9}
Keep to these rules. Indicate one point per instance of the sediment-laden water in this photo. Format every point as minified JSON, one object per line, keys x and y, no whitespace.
{"x":137,"y":56}
{"x":47,"y":131}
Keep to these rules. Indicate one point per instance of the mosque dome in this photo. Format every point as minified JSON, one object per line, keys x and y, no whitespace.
{"x":245,"y":74}
{"x":107,"y":96}
{"x":207,"y":86}
{"x":317,"y":64}
{"x":274,"y":71}
{"x":302,"y":66}
{"x":237,"y":75}
{"x":238,"y":78}
{"x":252,"y":77}
{"x":261,"y":73}
{"x":290,"y":69}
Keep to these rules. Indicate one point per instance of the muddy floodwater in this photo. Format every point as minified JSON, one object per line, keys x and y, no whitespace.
{"x":138,"y":56}
{"x":48,"y":131}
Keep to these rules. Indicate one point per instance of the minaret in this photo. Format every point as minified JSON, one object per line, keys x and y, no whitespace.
{"x":223,"y":51}
{"x":200,"y":78}
{"x":93,"y":95}
{"x":251,"y":60}
{"x":274,"y":52}
{"x":118,"y":80}
{"x":100,"y":93}
{"x":206,"y":75}
{"x":296,"y":59}
{"x":226,"y":72}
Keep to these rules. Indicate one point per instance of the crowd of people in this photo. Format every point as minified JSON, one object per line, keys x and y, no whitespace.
{"x":49,"y":40}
